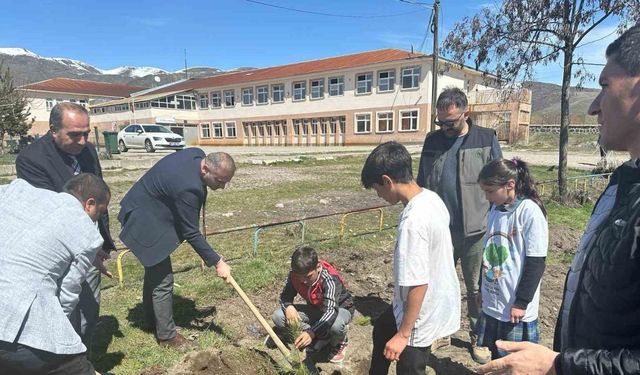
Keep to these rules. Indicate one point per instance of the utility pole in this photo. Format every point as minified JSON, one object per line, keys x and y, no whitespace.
{"x":186,"y":74}
{"x":434,"y":67}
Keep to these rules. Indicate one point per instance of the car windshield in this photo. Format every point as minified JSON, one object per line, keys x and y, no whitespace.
{"x":155,"y":129}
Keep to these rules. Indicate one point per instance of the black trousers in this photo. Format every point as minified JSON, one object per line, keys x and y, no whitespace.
{"x":413,"y":360}
{"x":157,"y":299}
{"x":16,"y":359}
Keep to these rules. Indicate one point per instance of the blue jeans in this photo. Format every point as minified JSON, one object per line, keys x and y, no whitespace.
{"x":309,"y":315}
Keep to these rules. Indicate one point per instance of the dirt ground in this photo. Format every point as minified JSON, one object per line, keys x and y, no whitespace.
{"x":369,"y":276}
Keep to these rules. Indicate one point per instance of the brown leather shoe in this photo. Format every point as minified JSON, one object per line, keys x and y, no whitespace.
{"x":178,"y":343}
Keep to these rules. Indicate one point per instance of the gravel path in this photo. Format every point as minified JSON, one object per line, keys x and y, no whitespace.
{"x":268,"y":154}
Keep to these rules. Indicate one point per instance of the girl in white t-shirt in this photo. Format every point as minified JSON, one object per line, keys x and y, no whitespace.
{"x":514,"y":255}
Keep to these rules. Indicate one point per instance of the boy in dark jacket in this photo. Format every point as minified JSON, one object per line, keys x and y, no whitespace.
{"x":325,"y":318}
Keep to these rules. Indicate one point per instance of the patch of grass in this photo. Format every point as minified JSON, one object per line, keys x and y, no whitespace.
{"x":8,"y":159}
{"x":550,"y":141}
{"x":559,"y":257}
{"x":362,"y":321}
{"x":572,"y":217}
{"x":543,"y":173}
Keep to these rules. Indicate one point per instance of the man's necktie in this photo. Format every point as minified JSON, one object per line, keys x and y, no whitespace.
{"x":75,"y":165}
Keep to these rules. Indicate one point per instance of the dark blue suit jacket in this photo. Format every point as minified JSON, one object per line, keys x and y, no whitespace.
{"x":162,"y":209}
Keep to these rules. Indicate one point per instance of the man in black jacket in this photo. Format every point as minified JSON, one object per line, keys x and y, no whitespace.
{"x":598,"y":327}
{"x":451,"y":160}
{"x":49,"y":163}
{"x":159,"y":212}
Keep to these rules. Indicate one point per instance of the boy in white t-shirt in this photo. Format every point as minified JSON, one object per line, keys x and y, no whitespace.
{"x":426,"y":296}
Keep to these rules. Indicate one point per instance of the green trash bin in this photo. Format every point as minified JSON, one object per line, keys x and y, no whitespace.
{"x":111,"y":142}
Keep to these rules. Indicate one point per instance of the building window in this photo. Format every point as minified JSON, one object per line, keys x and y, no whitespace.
{"x":141,"y":105}
{"x":385,"y":122}
{"x":317,"y":88}
{"x":336,"y":86}
{"x":363,"y":83}
{"x":204,"y":101}
{"x":299,"y":91}
{"x":229,"y":98}
{"x":82,"y":102}
{"x":296,"y":127}
{"x":277,"y":93}
{"x":409,"y":120}
{"x":410,"y":77}
{"x":50,"y":103}
{"x":247,"y":96}
{"x":262,"y":94}
{"x":314,"y":126}
{"x":217,"y":129}
{"x":184,"y":102}
{"x":231,"y":129}
{"x":305,"y":127}
{"x":363,"y":123}
{"x":323,"y":126}
{"x":386,"y":80}
{"x":216,"y":100}
{"x":205,"y":130}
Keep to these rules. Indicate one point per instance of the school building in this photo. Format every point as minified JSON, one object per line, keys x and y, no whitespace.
{"x":362,"y":98}
{"x":43,"y":95}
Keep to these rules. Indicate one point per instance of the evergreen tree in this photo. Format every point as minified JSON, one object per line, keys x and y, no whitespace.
{"x":14,"y":110}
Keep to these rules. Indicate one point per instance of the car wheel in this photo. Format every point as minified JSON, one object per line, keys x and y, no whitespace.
{"x":122,"y":147}
{"x":148,"y":146}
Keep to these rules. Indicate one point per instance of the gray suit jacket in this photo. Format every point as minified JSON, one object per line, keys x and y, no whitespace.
{"x":47,"y":245}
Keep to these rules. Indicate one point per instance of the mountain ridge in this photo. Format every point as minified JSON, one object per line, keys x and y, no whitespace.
{"x":29,"y":67}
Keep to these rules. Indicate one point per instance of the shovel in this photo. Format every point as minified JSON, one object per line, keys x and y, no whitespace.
{"x":283,"y":349}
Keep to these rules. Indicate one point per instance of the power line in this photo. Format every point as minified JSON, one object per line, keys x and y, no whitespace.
{"x":596,"y":40}
{"x":427,"y":5}
{"x":329,"y":14}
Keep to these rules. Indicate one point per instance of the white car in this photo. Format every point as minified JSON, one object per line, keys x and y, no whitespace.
{"x":151,"y":137}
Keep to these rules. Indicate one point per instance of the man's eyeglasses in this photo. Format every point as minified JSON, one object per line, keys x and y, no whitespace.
{"x":448,"y":123}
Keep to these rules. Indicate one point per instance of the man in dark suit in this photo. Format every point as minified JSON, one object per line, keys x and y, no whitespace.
{"x":160,"y":212}
{"x":49,"y":163}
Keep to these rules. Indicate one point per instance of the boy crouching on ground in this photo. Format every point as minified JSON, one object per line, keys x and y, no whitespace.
{"x":325,"y":318}
{"x":426,"y":295}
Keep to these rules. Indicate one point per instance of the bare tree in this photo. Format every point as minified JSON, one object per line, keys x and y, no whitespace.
{"x":14,"y":111}
{"x":516,"y":35}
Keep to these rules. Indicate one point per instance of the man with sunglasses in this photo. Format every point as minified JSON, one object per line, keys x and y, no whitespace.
{"x":451,"y":160}
{"x":49,"y":163}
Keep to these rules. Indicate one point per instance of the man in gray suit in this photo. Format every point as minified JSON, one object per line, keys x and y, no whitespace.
{"x":48,"y":242}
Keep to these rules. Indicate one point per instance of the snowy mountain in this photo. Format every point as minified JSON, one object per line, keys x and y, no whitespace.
{"x":28,"y":67}
{"x":132,"y":71}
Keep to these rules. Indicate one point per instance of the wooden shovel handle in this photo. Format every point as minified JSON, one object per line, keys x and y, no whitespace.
{"x":258,"y":316}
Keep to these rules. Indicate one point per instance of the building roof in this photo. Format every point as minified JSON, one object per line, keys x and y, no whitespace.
{"x":79,"y":86}
{"x":295,"y":69}
{"x":283,"y":71}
